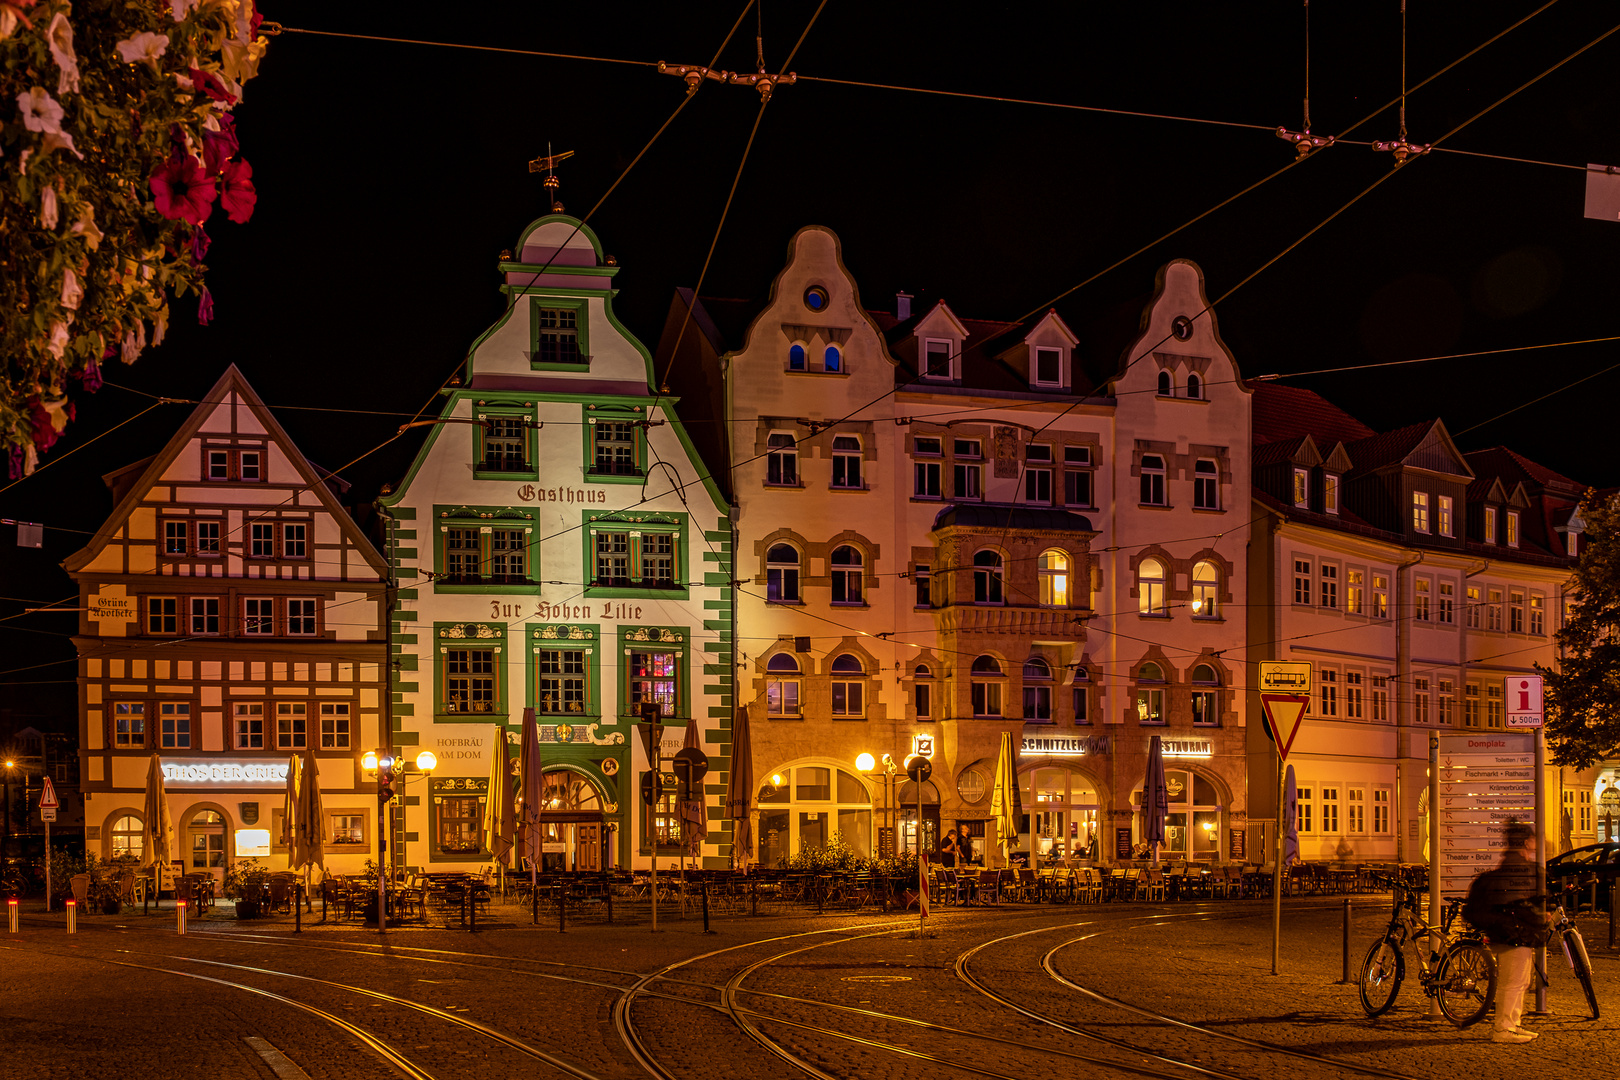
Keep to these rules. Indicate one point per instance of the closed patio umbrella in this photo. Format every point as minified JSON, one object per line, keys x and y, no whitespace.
{"x":500,"y":815}
{"x":1004,"y":799}
{"x":289,"y":812}
{"x":740,"y":792}
{"x":309,"y":833}
{"x":157,"y":828}
{"x":531,"y":793}
{"x":694,"y":812}
{"x":1290,"y":833}
{"x":1155,"y":798}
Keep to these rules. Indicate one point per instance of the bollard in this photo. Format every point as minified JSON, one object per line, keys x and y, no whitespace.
{"x":180,"y":916}
{"x":298,"y":909}
{"x":534,"y":904}
{"x":705,"y":887}
{"x":753,"y":897}
{"x":1614,"y":890}
{"x":562,"y":924}
{"x":1346,"y":979}
{"x":72,"y":916}
{"x":472,"y":926}
{"x":12,"y":907}
{"x":607,"y":886}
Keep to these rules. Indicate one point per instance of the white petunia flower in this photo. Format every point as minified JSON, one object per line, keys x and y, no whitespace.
{"x":56,"y":345}
{"x":182,"y":8}
{"x":143,"y":46}
{"x":59,"y":36}
{"x":134,"y":343}
{"x":40,"y":112}
{"x":86,"y":225}
{"x":72,"y":291}
{"x":47,"y":207}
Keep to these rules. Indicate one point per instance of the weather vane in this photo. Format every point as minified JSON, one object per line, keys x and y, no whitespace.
{"x":548,"y":165}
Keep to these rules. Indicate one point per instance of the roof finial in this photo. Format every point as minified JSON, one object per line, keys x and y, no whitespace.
{"x":548,"y":165}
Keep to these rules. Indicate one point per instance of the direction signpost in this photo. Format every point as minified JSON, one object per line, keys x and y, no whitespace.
{"x":1285,"y":694}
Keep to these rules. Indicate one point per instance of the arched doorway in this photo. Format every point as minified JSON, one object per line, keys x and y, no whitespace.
{"x":571,"y":822}
{"x":205,"y":842}
{"x":1192,"y":828}
{"x":803,"y":807}
{"x":1061,"y":804}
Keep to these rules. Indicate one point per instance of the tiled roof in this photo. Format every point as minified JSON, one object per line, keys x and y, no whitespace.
{"x":1389,"y":446}
{"x":1512,"y":466}
{"x":1287,"y":412}
{"x":1272,"y":453}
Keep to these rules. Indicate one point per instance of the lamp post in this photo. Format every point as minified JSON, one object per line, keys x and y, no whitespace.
{"x":5,"y":838}
{"x":425,"y":763}
{"x":866,"y":764}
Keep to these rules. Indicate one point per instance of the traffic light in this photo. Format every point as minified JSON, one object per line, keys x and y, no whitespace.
{"x":385,"y":779}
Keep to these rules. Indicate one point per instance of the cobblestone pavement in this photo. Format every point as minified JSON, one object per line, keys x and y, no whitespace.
{"x":70,"y":1007}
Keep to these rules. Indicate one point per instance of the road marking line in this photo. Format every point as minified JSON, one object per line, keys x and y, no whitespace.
{"x":279,"y":1063}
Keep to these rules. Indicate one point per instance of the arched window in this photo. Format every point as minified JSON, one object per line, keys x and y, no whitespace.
{"x":1164,"y":384}
{"x":1205,"y":696}
{"x":1206,"y":589}
{"x":801,"y":808}
{"x":127,"y":841}
{"x":987,"y":578}
{"x":1194,"y":387}
{"x":848,"y":687}
{"x":782,"y":574}
{"x":1053,"y":570}
{"x":833,"y":359}
{"x":782,"y":459}
{"x":1150,"y":587}
{"x":782,"y":685}
{"x":1037,"y":689}
{"x":1150,"y":694}
{"x":986,"y":679}
{"x":922,"y":691}
{"x":796,"y":357}
{"x":846,"y":575}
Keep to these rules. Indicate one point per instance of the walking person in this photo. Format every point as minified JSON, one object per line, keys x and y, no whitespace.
{"x":947,"y":849}
{"x":1507,"y":905}
{"x":964,"y":848}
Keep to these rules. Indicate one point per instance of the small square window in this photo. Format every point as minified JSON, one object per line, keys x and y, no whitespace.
{"x":207,"y":537}
{"x":938,"y":360}
{"x":1049,"y":367}
{"x":250,"y":465}
{"x":294,"y":540}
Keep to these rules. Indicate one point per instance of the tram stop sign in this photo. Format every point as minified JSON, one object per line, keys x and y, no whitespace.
{"x":651,"y":788}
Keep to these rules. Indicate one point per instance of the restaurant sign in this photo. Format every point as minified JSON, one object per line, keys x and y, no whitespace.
{"x":236,"y":773}
{"x":1042,"y":743}
{"x":1187,"y":748}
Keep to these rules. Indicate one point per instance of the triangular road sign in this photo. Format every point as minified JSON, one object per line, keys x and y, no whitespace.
{"x":47,"y":795}
{"x":1283,"y":714}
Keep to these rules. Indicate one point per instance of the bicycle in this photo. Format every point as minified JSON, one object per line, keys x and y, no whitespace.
{"x":1569,"y":936}
{"x":1455,"y":968}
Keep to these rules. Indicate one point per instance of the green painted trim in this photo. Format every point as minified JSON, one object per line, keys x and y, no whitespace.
{"x":593,"y":522}
{"x":547,"y":635}
{"x":554,"y":268}
{"x":478,"y":342}
{"x":573,"y":222}
{"x":483,"y":518}
{"x":422,"y":455}
{"x":560,"y":301}
{"x":590,"y":413}
{"x":552,"y":290}
{"x":442,"y":642}
{"x":650,"y":638}
{"x":464,"y":787}
{"x":696,"y":462}
{"x":499,"y":410}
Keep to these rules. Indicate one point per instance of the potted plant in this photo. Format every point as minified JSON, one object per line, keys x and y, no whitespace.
{"x":247,"y":883}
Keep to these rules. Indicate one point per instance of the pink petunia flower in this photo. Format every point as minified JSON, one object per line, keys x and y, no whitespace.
{"x":72,"y":291}
{"x":220,"y":146}
{"x":210,"y":84}
{"x":40,"y":112}
{"x":239,"y":197}
{"x":182,"y":191}
{"x":205,"y":307}
{"x":199,"y":244}
{"x":59,"y":37}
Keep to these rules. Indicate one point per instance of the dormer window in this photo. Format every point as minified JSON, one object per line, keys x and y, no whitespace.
{"x":937,"y":359}
{"x":1195,"y":388}
{"x":1048,"y":367}
{"x":796,"y":357}
{"x":1302,"y":488}
{"x":1490,"y":525}
{"x":1420,"y":511}
{"x":1512,"y":528}
{"x":1166,"y":388}
{"x":1330,"y":493}
{"x":832,"y":360}
{"x":1572,"y":544}
{"x":1442,"y":515}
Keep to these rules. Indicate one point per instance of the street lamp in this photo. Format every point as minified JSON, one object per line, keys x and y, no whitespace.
{"x":5,"y":838}
{"x":865,"y":763}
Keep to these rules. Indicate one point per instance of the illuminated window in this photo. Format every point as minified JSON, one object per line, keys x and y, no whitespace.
{"x":782,"y":685}
{"x":129,"y":724}
{"x":848,"y":688}
{"x":1053,"y":570}
{"x":1420,"y":511}
{"x":1150,"y":591}
{"x":1150,"y":694}
{"x":1206,"y":588}
{"x":1512,"y":528}
{"x":1206,"y":711}
{"x":654,"y":677}
{"x":1442,"y":515}
{"x":1302,"y":488}
{"x":469,"y":680}
{"x":128,"y":839}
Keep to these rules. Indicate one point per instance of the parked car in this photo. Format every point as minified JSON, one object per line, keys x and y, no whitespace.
{"x":1573,"y":872}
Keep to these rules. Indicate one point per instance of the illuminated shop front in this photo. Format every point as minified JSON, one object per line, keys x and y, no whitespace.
{"x":1193,"y":827}
{"x":803,"y":807}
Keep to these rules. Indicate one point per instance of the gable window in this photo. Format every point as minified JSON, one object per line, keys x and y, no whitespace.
{"x":1152,"y":480}
{"x":301,"y":617}
{"x":782,"y":460}
{"x":926,"y":474}
{"x":986,"y":682}
{"x":219,"y":465}
{"x":129,"y":724}
{"x":937,"y":364}
{"x":796,"y":357}
{"x":335,"y":725}
{"x":294,"y":540}
{"x":248,"y":722}
{"x":174,"y":538}
{"x":1448,"y":603}
{"x":1037,"y":689}
{"x":161,"y":615}
{"x":233,"y":463}
{"x":1206,"y":588}
{"x":205,"y":615}
{"x":782,"y":574}
{"x":1302,"y":488}
{"x":1206,"y":486}
{"x":613,"y":448}
{"x":1420,"y":511}
{"x":847,"y":575}
{"x":292,"y":725}
{"x":557,"y":336}
{"x":258,"y":615}
{"x":1490,"y":525}
{"x":1442,"y":515}
{"x":966,"y":472}
{"x":640,"y":558}
{"x":1077,"y":475}
{"x":1150,"y":592}
{"x":248,"y":464}
{"x":1330,"y":493}
{"x":848,"y":687}
{"x":922,"y":692}
{"x":1048,"y":367}
{"x":1166,"y":388}
{"x":562,"y":674}
{"x":1302,"y":581}
{"x":846,"y":462}
{"x":987,"y":581}
{"x":782,"y":685}
{"x":1512,"y":528}
{"x":1038,"y":474}
{"x":262,"y":540}
{"x":1195,"y":388}
{"x":469,"y":680}
{"x":1205,"y":702}
{"x":1052,"y":568}
{"x":832,"y":359}
{"x":1150,"y":694}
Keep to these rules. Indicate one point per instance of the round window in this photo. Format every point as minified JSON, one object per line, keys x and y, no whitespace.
{"x":815,"y":298}
{"x":971,"y":785}
{"x":1181,"y":327}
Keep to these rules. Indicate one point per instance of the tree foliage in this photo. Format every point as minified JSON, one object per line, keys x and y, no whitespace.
{"x":1583,"y":695}
{"x":117,"y":144}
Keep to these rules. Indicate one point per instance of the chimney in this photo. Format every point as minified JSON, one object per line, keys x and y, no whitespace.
{"x":902,"y":306}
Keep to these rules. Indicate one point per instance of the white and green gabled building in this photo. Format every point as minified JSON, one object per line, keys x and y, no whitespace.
{"x":558,"y":546}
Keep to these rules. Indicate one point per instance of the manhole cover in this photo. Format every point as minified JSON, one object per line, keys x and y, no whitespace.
{"x":877,"y":978}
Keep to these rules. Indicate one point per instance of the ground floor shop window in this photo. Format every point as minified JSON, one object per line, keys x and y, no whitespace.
{"x":1060,"y":813}
{"x":456,"y":818}
{"x":812,"y":807}
{"x":1192,"y":828}
{"x":127,"y":840}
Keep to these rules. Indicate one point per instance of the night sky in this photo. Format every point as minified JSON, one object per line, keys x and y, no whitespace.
{"x":390,"y":177}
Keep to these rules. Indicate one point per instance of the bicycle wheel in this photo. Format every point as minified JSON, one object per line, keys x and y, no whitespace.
{"x":1381,"y":975}
{"x":1575,"y":950}
{"x":1465,"y":983}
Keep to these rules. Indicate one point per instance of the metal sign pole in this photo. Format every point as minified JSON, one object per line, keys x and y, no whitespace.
{"x":1276,"y":871}
{"x":1434,"y":847}
{"x":48,"y":859}
{"x":1541,"y":861}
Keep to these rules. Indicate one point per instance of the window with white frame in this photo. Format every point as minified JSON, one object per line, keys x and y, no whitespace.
{"x":1037,"y":690}
{"x":1038,"y":474}
{"x":1152,"y":480}
{"x":1471,"y":705}
{"x":1206,"y":590}
{"x":846,"y":462}
{"x":207,"y":533}
{"x":782,"y":680}
{"x":1355,"y":810}
{"x":506,"y":444}
{"x":925,"y":469}
{"x":1380,"y":697}
{"x":782,"y":459}
{"x":1206,"y":485}
{"x":1420,"y":700}
{"x":1150,"y":589}
{"x":1420,"y":599}
{"x":294,"y":539}
{"x":1302,"y":488}
{"x":1355,"y":591}
{"x":613,"y":448}
{"x":1380,"y":821}
{"x":1494,"y":704}
{"x":1052,"y":569}
{"x":1445,"y":697}
{"x":1048,"y":367}
{"x":1330,"y":493}
{"x":1380,"y":597}
{"x":1305,"y":803}
{"x":1512,"y":528}
{"x":1206,"y":696}
{"x":987,"y":577}
{"x":258,"y":615}
{"x":1493,"y":609}
{"x":1515,"y":611}
{"x":1471,"y":606}
{"x":247,"y":720}
{"x":174,"y":718}
{"x":1490,"y":525}
{"x":335,"y":725}
{"x":1302,"y":581}
{"x":848,"y":687}
{"x":1077,"y":481}
{"x":1150,"y":687}
{"x":986,"y":681}
{"x":967,"y":470}
{"x":261,"y":540}
{"x":1330,"y":810}
{"x":1329,"y":576}
{"x":1538,"y":614}
{"x":301,"y":617}
{"x":176,"y":538}
{"x":782,"y":574}
{"x":1329,"y":691}
{"x":938,"y":359}
{"x":292,"y":725}
{"x":1447,"y":602}
{"x":1352,"y":695}
{"x":848,"y":575}
{"x":1420,"y":511}
{"x":1442,"y":515}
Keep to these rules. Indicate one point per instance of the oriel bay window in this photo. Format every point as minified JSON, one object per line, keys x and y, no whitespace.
{"x":470,"y":669}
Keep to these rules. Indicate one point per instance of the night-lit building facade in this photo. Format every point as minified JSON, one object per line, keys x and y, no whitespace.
{"x":233,"y":617}
{"x":558,"y":547}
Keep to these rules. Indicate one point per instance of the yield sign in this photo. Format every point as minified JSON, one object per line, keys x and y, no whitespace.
{"x":47,"y":796}
{"x":1283,"y":714}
